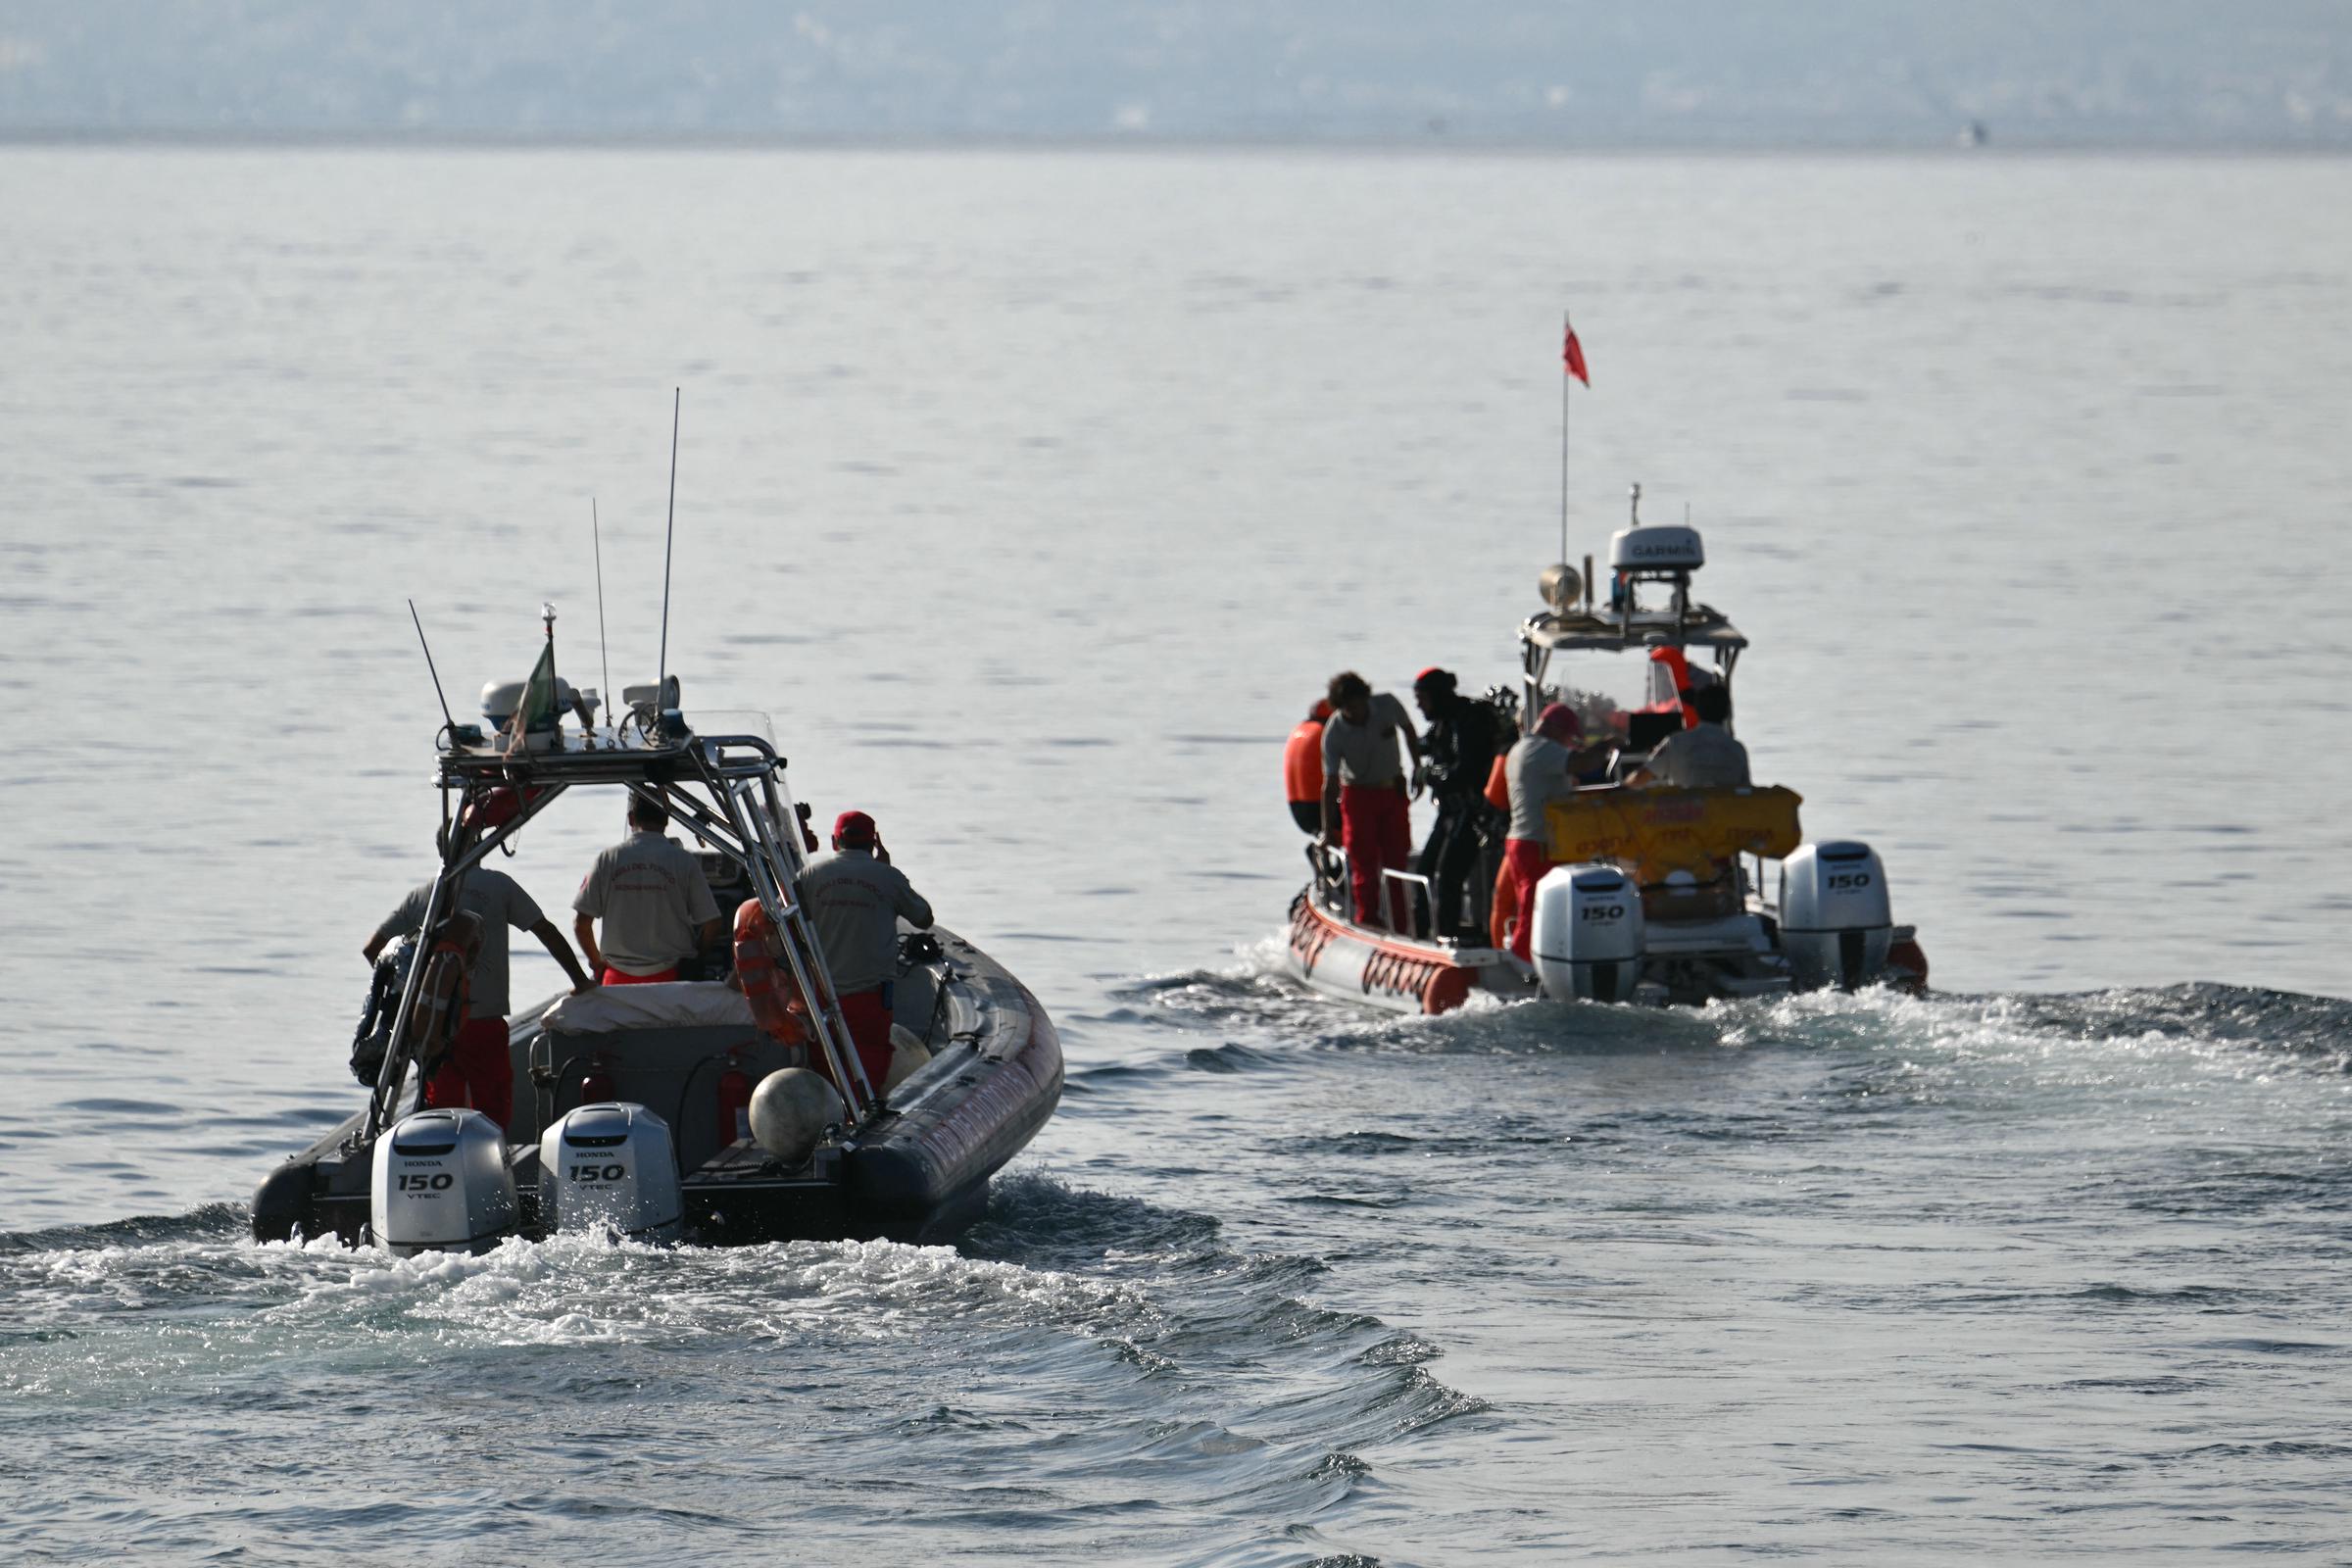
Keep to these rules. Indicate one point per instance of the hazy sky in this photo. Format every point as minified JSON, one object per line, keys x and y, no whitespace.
{"x":1898,"y":72}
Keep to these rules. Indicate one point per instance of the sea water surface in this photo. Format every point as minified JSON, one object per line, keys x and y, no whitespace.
{"x":1035,"y":497}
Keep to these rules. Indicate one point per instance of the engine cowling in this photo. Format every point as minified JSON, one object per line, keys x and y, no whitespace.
{"x":1587,"y":933}
{"x":612,"y":1166}
{"x":1837,"y":919}
{"x":440,"y":1184}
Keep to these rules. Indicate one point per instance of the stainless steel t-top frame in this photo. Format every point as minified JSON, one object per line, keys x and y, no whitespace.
{"x":728,"y":789}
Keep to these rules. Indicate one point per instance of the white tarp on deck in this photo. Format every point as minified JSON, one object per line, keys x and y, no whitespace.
{"x":672,"y":1004}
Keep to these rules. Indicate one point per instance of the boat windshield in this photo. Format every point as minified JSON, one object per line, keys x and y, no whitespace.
{"x":1604,"y":687}
{"x":733,"y":721}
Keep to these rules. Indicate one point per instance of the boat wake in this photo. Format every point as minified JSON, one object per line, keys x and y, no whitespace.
{"x":1256,"y":1004}
{"x":1084,"y":1362}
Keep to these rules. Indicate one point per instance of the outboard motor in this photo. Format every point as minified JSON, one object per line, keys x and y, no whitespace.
{"x":441,"y":1184}
{"x":612,"y":1166}
{"x":1588,"y":936}
{"x":1835,"y":918}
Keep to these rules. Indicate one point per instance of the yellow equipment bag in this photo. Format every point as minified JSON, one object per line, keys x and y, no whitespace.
{"x":1660,"y":831}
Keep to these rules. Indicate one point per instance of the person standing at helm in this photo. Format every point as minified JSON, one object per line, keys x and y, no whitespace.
{"x":1705,"y":757}
{"x":855,"y":899}
{"x":1462,"y":742}
{"x":478,"y":1071}
{"x":1302,"y":769}
{"x":1541,"y":768}
{"x":656,"y":903}
{"x":1364,"y":802}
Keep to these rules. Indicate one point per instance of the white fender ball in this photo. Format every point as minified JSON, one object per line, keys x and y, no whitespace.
{"x":906,"y":1053}
{"x":791,"y":1110}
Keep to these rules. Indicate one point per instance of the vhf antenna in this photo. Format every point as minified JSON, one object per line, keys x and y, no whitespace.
{"x":595,"y":537}
{"x":431,"y":670}
{"x":669,"y":533}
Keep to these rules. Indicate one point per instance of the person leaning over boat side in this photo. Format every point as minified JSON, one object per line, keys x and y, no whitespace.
{"x":1705,"y":757}
{"x":1544,"y":766}
{"x":1302,"y":769}
{"x":477,"y":1070}
{"x":654,"y":899}
{"x":854,"y":898}
{"x":1364,"y":801}
{"x":1458,"y":752}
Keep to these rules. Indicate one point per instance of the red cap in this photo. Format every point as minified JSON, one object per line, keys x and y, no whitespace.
{"x":1558,"y":720}
{"x":1321,"y":713}
{"x":856,"y":830}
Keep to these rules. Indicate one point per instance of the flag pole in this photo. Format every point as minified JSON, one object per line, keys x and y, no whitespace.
{"x":1564,"y":327}
{"x":1572,"y":363}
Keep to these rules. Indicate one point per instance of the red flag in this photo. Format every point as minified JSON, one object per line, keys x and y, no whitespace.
{"x":1573,"y":353}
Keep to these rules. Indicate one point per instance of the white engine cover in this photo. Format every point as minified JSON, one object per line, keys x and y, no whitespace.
{"x":441,"y":1184}
{"x":1588,"y":936}
{"x":610,"y":1166}
{"x":1837,"y":919}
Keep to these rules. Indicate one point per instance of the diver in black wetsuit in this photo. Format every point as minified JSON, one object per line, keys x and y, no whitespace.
{"x":1457,"y":754}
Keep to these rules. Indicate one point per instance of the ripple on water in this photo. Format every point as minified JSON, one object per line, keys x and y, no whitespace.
{"x":1085,"y":1362}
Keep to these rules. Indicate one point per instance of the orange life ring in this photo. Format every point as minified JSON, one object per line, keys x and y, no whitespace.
{"x":766,"y":984}
{"x":1302,"y":761}
{"x":441,"y":994}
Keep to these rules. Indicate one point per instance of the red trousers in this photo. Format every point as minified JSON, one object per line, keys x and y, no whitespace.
{"x":477,"y":1072}
{"x":1524,"y":862}
{"x":614,"y":977}
{"x":868,"y":1017}
{"x":1376,"y":828}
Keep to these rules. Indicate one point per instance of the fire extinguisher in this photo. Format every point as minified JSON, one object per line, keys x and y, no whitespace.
{"x":596,"y":1085}
{"x":734,"y":1103}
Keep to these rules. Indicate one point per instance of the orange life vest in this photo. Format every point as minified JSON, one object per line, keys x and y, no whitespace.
{"x":1679,"y":665}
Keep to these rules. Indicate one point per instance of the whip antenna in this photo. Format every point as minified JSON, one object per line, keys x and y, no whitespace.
{"x":595,"y":537}
{"x":429,"y":669}
{"x":669,"y":533}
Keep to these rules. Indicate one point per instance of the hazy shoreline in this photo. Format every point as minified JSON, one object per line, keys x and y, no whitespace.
{"x":1440,"y":145}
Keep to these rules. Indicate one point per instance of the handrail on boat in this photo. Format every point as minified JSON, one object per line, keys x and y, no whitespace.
{"x":747,"y":818}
